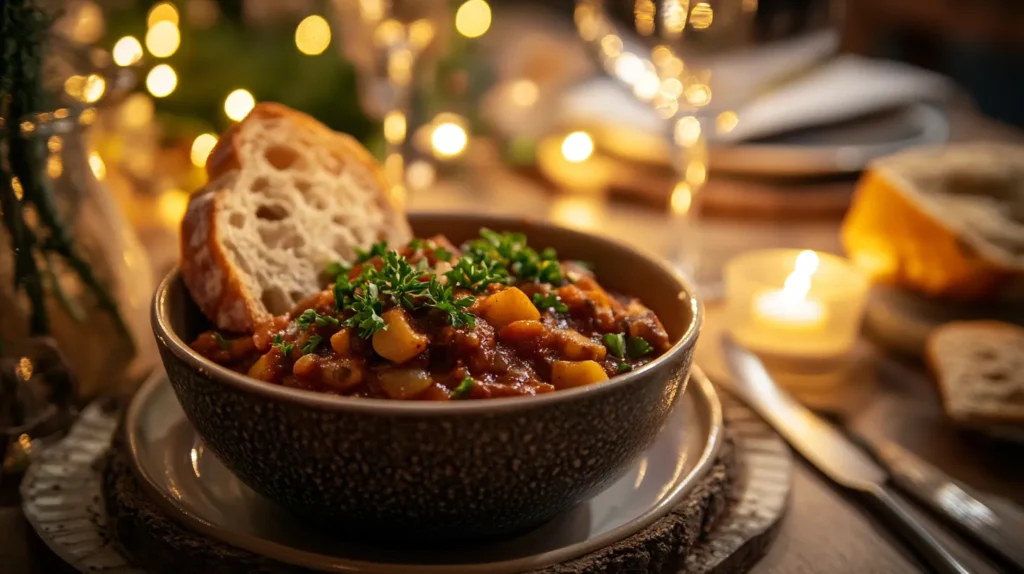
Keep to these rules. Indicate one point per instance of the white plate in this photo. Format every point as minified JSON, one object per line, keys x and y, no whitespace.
{"x":193,"y":487}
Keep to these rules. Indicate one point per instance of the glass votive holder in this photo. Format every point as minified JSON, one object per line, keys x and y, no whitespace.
{"x":800,"y":311}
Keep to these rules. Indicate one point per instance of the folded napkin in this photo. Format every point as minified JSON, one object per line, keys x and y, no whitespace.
{"x":842,"y":88}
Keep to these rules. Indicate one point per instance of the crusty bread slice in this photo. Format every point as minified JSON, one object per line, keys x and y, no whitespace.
{"x":979,"y":366}
{"x":286,"y":196}
{"x":946,"y":221}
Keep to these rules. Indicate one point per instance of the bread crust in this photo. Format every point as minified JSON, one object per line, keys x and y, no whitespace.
{"x":933,"y":359}
{"x":900,"y":244}
{"x":212,"y":279}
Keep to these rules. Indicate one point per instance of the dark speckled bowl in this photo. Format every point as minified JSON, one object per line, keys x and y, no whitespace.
{"x":426,"y":470}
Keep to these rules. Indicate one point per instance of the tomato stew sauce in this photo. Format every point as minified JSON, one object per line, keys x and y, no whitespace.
{"x":433,"y":322}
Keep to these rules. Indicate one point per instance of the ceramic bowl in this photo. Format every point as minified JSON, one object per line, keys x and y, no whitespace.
{"x":432,"y":470}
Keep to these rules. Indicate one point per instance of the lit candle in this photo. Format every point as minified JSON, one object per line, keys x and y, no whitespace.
{"x":790,"y":307}
{"x":791,"y":304}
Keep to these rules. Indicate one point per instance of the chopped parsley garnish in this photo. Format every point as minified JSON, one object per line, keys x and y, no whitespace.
{"x":441,"y":297}
{"x":398,"y":281}
{"x":310,"y":317}
{"x":416,"y":244}
{"x":623,"y":368}
{"x":286,"y":348}
{"x":616,"y":344}
{"x":545,"y":301}
{"x":337,"y":268}
{"x":442,"y":254}
{"x":493,"y":258}
{"x":520,"y":260}
{"x":464,"y":388}
{"x":476,"y":276}
{"x":311,"y":344}
{"x":377,"y":249}
{"x":221,"y":341}
{"x":368,"y":308}
{"x":637,"y":347}
{"x":620,"y":346}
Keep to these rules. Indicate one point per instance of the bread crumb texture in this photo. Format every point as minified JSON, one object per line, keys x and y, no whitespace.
{"x":979,"y":366}
{"x":293,"y":197}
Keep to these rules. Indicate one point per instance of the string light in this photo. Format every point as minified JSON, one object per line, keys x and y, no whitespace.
{"x":201,"y":148}
{"x":394,"y":126}
{"x":448,"y":139}
{"x":127,"y":51}
{"x":421,"y":33}
{"x":682,"y":198}
{"x":313,"y":35}
{"x":687,"y":131}
{"x":162,"y":12}
{"x":74,"y":86}
{"x":726,"y":122}
{"x":238,"y":104}
{"x":163,"y":39}
{"x":701,"y":16}
{"x":577,"y":147}
{"x":99,"y":169}
{"x":93,"y":88}
{"x":161,"y":81}
{"x":473,"y":18}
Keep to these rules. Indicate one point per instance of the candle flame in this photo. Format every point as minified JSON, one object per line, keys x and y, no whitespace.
{"x":798,"y":283}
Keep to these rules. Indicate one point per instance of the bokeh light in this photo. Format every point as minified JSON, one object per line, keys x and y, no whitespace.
{"x":448,"y":139}
{"x":162,"y":12}
{"x":201,"y":148}
{"x":313,"y":35}
{"x":127,"y":51}
{"x":161,"y":81}
{"x":99,"y":169}
{"x":577,"y":147}
{"x":238,"y":104}
{"x":473,"y":18}
{"x":163,"y":39}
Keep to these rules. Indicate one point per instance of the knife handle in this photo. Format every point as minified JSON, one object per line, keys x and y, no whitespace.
{"x":937,"y":556}
{"x":993,"y":523}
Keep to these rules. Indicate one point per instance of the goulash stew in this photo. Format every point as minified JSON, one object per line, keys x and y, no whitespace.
{"x":430,"y":321}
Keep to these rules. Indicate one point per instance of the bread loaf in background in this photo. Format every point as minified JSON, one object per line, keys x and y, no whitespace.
{"x":945,"y":221}
{"x":979,"y":366}
{"x":286,"y":196}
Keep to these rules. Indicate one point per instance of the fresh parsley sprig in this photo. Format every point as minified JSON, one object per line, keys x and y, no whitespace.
{"x":311,"y":317}
{"x":441,"y":297}
{"x":367,"y":308}
{"x":311,"y":344}
{"x":286,"y":348}
{"x":545,"y":301}
{"x":476,"y":275}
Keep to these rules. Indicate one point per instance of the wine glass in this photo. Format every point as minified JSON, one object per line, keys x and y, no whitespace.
{"x":392,"y":43}
{"x":696,"y":63}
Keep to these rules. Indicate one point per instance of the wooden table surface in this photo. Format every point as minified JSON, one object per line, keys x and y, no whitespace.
{"x":824,"y":530}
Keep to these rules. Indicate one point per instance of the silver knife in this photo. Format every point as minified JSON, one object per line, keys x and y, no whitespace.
{"x":997,"y":524}
{"x":830,"y":451}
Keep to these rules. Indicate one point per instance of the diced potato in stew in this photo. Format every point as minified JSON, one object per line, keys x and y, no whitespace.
{"x":429,"y":321}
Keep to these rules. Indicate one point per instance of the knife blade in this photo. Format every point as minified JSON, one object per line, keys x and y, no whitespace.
{"x":830,"y":451}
